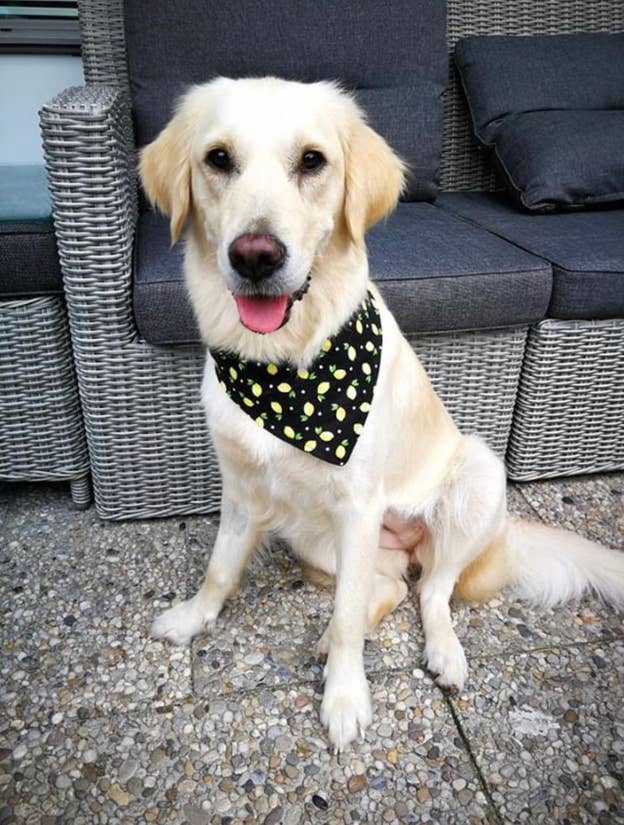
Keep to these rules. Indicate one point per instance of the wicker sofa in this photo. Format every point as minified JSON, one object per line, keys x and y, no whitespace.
{"x":41,"y":431}
{"x":545,"y":392}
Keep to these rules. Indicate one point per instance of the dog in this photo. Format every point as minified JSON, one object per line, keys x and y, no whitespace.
{"x":274,"y":184}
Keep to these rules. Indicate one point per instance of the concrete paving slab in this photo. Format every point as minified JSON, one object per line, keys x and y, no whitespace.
{"x":267,"y":633}
{"x":593,"y":506}
{"x":118,"y":728}
{"x":257,"y":757}
{"x":547,"y":731}
{"x":78,"y":596}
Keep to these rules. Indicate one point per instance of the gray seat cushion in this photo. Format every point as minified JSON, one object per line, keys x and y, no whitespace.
{"x":436,"y":272}
{"x":29,"y":263}
{"x":162,"y":310}
{"x":439,"y":273}
{"x":586,"y":250}
{"x":396,"y":61}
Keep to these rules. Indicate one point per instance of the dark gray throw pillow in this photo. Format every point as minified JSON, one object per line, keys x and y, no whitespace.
{"x":563,"y":159}
{"x":552,"y":107}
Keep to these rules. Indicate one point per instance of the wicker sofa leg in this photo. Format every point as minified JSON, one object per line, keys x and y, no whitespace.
{"x":81,"y":492}
{"x":569,"y":414}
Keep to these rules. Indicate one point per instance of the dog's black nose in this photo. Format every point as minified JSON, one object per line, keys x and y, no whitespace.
{"x":256,"y":256}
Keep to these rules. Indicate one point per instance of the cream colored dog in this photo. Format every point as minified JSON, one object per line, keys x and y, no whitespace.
{"x":277,"y":183}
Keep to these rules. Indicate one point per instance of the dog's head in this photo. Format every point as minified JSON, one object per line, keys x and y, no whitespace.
{"x":269,"y":174}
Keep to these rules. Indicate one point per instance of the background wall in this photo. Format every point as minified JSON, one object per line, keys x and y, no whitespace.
{"x":26,"y":82}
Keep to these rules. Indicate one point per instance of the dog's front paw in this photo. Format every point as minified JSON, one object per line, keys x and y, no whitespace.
{"x":445,"y":658}
{"x":180,"y":623}
{"x":346,"y":709}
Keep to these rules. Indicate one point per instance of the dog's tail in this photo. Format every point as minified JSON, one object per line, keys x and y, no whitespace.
{"x":548,"y":565}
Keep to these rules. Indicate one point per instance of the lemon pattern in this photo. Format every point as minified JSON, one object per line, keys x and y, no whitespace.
{"x":320,"y":409}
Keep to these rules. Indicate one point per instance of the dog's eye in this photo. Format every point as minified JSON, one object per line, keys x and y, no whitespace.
{"x":311,"y":161}
{"x":219,"y":159}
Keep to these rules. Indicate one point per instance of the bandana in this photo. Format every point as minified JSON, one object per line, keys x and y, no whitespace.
{"x":321,"y":410}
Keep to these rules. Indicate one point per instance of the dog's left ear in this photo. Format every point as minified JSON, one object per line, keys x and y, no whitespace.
{"x":374,"y":179}
{"x":165,"y":169}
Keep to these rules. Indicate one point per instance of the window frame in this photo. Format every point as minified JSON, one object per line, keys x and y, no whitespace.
{"x":39,"y":27}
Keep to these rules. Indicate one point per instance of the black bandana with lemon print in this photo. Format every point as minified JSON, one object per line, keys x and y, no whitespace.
{"x":321,"y":410}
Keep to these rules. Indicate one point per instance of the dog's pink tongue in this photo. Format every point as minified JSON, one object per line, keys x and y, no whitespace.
{"x":261,"y":314}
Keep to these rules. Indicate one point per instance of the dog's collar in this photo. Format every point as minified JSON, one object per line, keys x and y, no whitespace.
{"x":321,"y":410}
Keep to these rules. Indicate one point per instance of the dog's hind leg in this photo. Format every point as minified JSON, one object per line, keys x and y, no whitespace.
{"x":469,"y":513}
{"x":387,"y":595}
{"x":444,"y":655}
{"x":238,"y":535}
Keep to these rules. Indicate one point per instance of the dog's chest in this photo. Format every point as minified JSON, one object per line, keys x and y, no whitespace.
{"x":269,"y":473}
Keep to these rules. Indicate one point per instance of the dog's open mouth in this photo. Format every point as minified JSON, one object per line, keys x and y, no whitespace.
{"x":267,"y":313}
{"x":262,"y":313}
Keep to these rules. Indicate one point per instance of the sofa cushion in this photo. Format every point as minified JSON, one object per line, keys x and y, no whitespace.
{"x":396,"y":63}
{"x":29,"y":262}
{"x":162,"y":309}
{"x":437,"y":272}
{"x":553,"y":109}
{"x":563,"y":159}
{"x":586,"y":250}
{"x":505,"y":75}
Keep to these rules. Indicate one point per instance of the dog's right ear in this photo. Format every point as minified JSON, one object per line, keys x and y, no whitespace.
{"x":165,"y":169}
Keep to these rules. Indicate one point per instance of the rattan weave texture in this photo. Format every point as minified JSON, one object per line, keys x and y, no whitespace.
{"x":41,"y":431}
{"x":465,"y":165}
{"x":103,"y":42}
{"x":569,"y":411}
{"x":150,"y":452}
{"x":476,"y":375}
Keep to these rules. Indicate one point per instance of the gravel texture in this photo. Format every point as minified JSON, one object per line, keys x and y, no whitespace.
{"x":258,"y":756}
{"x":591,"y":505}
{"x":101,"y":724}
{"x":78,"y":597}
{"x":547,"y":730}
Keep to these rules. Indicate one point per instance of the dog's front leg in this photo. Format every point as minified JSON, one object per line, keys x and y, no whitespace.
{"x":237,"y":537}
{"x":346,"y":706}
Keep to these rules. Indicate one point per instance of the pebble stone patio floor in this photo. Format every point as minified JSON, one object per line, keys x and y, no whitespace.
{"x":101,"y":724}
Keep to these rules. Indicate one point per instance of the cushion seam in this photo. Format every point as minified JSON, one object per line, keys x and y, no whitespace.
{"x":471,"y":221}
{"x":543,"y":257}
{"x":587,"y":272}
{"x":497,"y":274}
{"x":437,"y":277}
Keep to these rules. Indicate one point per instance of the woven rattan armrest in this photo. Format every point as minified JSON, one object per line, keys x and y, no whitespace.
{"x":91,"y":165}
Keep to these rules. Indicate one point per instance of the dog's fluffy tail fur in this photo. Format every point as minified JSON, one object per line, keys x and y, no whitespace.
{"x":548,"y":565}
